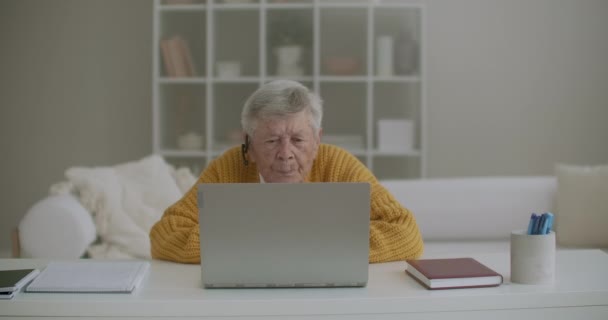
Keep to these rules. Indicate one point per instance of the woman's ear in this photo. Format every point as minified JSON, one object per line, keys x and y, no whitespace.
{"x":317,"y":142}
{"x":319,"y":135}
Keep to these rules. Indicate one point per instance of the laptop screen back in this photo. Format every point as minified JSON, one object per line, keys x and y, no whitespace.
{"x":284,"y":235}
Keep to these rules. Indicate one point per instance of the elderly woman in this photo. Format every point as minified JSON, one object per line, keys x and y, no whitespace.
{"x":282,"y":134}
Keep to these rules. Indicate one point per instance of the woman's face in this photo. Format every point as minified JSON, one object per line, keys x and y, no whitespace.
{"x":284,"y":148}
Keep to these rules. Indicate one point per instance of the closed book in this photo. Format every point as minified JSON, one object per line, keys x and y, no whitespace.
{"x":453,"y":273}
{"x":14,"y":280}
{"x":100,"y":276}
{"x":167,"y":59}
{"x":177,"y":57}
{"x":184,"y":50}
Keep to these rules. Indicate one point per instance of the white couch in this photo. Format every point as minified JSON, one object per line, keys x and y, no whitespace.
{"x":476,"y":214}
{"x":455,"y":215}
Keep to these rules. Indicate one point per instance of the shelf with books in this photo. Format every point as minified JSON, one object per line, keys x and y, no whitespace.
{"x":180,"y":39}
{"x":363,"y":57}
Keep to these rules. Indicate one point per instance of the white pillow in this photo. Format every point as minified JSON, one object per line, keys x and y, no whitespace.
{"x":582,"y":206}
{"x":126,"y":200}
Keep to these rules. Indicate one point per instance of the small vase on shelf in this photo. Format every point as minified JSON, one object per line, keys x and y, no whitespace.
{"x":288,"y":60}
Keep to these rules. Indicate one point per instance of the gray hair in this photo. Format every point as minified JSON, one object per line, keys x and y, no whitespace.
{"x":280,"y":98}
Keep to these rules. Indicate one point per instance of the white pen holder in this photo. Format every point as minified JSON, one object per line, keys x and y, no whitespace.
{"x":532,"y":258}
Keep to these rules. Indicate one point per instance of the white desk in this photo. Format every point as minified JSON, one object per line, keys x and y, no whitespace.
{"x":174,"y":291}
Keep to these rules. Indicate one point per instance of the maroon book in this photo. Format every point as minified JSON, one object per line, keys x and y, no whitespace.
{"x":452,"y":273}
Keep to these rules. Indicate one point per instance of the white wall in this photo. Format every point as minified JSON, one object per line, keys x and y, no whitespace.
{"x":516,"y":85}
{"x":75,"y":81}
{"x":513,"y":87}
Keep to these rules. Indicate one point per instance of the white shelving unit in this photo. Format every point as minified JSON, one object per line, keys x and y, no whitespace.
{"x":339,"y":41}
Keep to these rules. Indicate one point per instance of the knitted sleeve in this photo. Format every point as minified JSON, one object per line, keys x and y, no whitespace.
{"x":394,"y":234}
{"x":175,"y":236}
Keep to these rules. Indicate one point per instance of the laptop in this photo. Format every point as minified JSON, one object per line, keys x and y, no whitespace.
{"x":262,"y":235}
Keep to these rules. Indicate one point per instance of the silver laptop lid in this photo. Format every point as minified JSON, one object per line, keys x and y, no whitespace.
{"x":284,"y":235}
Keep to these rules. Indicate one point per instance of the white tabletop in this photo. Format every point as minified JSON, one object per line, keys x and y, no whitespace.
{"x":175,"y":290}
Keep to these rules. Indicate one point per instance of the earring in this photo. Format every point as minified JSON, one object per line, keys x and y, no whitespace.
{"x":243,"y":152}
{"x":244,"y":148}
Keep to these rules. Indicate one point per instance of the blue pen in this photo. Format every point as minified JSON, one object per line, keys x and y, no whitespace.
{"x":541,"y":224}
{"x":531,"y":224}
{"x":549,"y":223}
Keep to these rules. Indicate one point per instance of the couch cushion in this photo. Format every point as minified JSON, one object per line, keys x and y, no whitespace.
{"x":482,"y":208}
{"x":445,"y":249}
{"x":582,"y":206}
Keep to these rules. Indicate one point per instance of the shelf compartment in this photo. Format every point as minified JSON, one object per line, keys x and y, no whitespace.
{"x":236,"y":80}
{"x":302,"y":79}
{"x":398,"y":79}
{"x":400,"y":27}
{"x":181,"y":4}
{"x":354,"y":143}
{"x":236,"y":52}
{"x":404,"y":153}
{"x":289,"y":34}
{"x":182,"y":44}
{"x":182,"y":116}
{"x":182,"y":7}
{"x":396,"y":167}
{"x":394,"y":102}
{"x":344,"y":112}
{"x":289,"y":4}
{"x":348,"y":55}
{"x":364,"y":4}
{"x":361,"y":79}
{"x":236,"y":5}
{"x":229,"y":101}
{"x":185,"y":80}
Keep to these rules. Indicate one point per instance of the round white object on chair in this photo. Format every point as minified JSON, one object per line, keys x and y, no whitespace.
{"x":56,"y":227}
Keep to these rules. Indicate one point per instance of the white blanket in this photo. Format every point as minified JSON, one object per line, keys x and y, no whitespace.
{"x":126,"y":200}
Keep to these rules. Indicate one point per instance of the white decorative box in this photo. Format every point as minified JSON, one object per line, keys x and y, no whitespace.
{"x":395,"y":135}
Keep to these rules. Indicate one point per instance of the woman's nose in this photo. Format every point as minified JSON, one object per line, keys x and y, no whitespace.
{"x":285,"y":152}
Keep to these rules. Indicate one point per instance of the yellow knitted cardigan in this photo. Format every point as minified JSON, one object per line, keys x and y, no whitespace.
{"x":394,"y":234}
